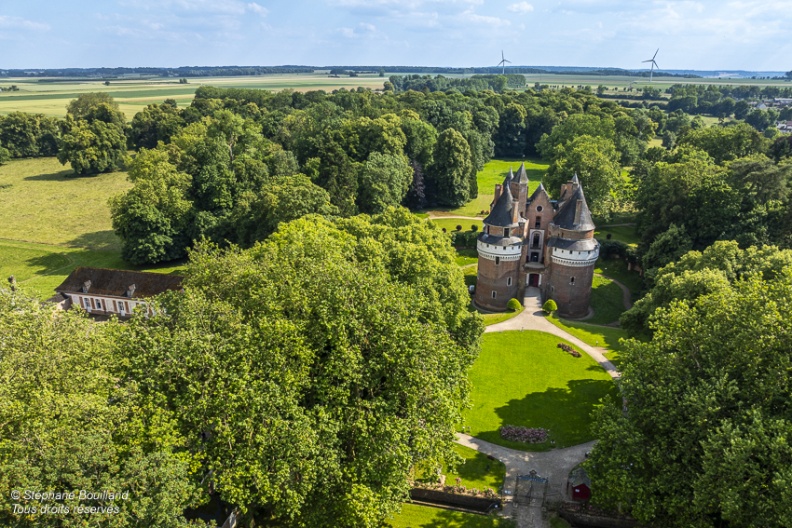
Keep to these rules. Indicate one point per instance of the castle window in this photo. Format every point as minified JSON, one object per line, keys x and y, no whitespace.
{"x":494,"y":294}
{"x":572,"y":281}
{"x":497,"y":260}
{"x":506,"y":232}
{"x":534,"y":256}
{"x":538,"y":208}
{"x":536,"y":240}
{"x":538,"y":223}
{"x":509,"y":281}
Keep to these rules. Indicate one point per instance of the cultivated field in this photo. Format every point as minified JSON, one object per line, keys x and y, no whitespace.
{"x":50,"y":96}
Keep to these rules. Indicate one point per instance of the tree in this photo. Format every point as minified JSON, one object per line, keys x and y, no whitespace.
{"x":316,"y":397}
{"x":510,"y":136}
{"x":549,"y":306}
{"x":574,"y":126}
{"x":5,"y":155}
{"x":596,"y":162}
{"x":383,"y":180}
{"x":281,"y":199}
{"x":86,"y":104}
{"x":103,"y":435}
{"x":703,"y":440}
{"x":92,"y":148}
{"x":726,"y":143}
{"x":155,"y":123}
{"x":450,"y":173}
{"x":152,"y":219}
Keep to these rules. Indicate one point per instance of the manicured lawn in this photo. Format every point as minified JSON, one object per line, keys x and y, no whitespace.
{"x":464,"y":258}
{"x":522,"y":378}
{"x":450,"y":224}
{"x":418,"y":516}
{"x":591,"y":334}
{"x":494,"y":318}
{"x":477,"y":471}
{"x":494,"y":172}
{"x":607,"y":301}
{"x":617,"y":269}
{"x":621,"y":233}
{"x":44,"y":203}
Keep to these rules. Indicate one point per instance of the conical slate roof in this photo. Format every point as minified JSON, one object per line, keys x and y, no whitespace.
{"x":501,"y":214}
{"x":522,"y":174}
{"x":574,"y":214}
{"x":509,"y":177}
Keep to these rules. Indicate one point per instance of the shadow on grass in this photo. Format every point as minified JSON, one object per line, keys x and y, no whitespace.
{"x":64,"y":175}
{"x":565,"y":413}
{"x":97,"y":241}
{"x":65,"y":263}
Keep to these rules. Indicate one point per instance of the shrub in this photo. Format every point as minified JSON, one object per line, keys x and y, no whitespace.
{"x":459,"y":227}
{"x":513,"y":305}
{"x":474,"y":227}
{"x":550,"y":306}
{"x":5,"y":155}
{"x":528,"y":435}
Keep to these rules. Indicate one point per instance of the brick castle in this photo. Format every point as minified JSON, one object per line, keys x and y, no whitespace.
{"x":537,"y":242}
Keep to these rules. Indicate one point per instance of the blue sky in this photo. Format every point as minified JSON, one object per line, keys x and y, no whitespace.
{"x":750,"y":35}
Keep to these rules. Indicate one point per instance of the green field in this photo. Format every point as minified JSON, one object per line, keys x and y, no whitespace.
{"x":607,"y":300}
{"x":522,"y":378}
{"x":450,"y":224}
{"x":50,"y":96}
{"x":477,"y":471}
{"x":617,"y":269}
{"x":418,"y":516}
{"x":50,"y":223}
{"x":621,"y":233}
{"x":494,"y":172}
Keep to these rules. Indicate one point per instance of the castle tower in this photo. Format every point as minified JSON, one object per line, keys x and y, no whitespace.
{"x":500,"y":250}
{"x":519,"y":188}
{"x":572,"y":253}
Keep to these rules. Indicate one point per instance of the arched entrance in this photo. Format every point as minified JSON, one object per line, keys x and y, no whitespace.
{"x":533,"y":280}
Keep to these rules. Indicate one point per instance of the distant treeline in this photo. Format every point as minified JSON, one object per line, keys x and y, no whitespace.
{"x":181,"y":71}
{"x":427,"y":83}
{"x":220,"y":71}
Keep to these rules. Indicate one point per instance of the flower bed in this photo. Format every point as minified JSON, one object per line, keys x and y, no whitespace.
{"x":528,"y":435}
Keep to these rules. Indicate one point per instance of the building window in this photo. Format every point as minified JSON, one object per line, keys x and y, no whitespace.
{"x":572,"y":281}
{"x":497,"y":260}
{"x":506,"y":232}
{"x":536,"y":239}
{"x":99,"y":303}
{"x":538,"y":223}
{"x":508,"y":281}
{"x":494,"y":294}
{"x":538,"y":208}
{"x":534,"y":257}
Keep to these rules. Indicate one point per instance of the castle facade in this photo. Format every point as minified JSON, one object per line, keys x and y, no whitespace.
{"x":533,"y":241}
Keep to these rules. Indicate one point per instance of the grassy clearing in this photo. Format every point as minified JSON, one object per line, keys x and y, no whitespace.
{"x":44,"y":203}
{"x":624,"y":234}
{"x":495,"y":318}
{"x":607,"y":301}
{"x":522,"y":378}
{"x":494,"y":172}
{"x":591,"y":334}
{"x":450,"y":224}
{"x":617,"y":269}
{"x":418,"y":516}
{"x":477,"y":470}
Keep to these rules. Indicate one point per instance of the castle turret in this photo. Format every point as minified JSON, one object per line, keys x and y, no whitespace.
{"x":499,"y":251}
{"x":519,"y":188}
{"x":572,"y":251}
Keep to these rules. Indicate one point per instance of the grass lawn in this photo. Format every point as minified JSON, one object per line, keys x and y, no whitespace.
{"x":450,"y":224}
{"x":476,"y":471}
{"x":494,"y":172}
{"x":494,"y":318}
{"x":50,"y":223}
{"x":591,"y":334}
{"x":418,"y":516}
{"x":522,"y":378}
{"x":44,"y":203}
{"x":624,"y":234}
{"x":617,"y":269}
{"x":606,"y":300}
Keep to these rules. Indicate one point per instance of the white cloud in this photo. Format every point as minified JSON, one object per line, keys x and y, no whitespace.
{"x":253,"y":7}
{"x":363,"y":29}
{"x":521,"y":7}
{"x":12,"y":22}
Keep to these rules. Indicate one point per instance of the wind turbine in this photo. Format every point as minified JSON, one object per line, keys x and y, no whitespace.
{"x":503,"y":63}
{"x":654,"y":64}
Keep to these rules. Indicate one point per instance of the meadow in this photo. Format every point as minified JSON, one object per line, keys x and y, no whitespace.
{"x":51,"y":222}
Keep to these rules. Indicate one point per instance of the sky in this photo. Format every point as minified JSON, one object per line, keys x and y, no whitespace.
{"x":703,"y":35}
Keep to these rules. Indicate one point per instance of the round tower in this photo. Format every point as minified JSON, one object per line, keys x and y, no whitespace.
{"x":573,"y":253}
{"x":499,"y":251}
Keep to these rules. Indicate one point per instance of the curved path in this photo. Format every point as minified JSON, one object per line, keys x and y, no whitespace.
{"x":554,"y":465}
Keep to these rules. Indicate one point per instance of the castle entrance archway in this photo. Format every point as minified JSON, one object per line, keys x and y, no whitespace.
{"x":533,"y":280}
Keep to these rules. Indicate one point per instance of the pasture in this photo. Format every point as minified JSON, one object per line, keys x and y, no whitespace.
{"x":522,"y":378}
{"x":51,"y":222}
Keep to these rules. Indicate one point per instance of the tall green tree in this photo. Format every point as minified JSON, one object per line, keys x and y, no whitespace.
{"x":315,"y":398}
{"x":703,"y":437}
{"x":450,"y":174}
{"x":383,"y":180}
